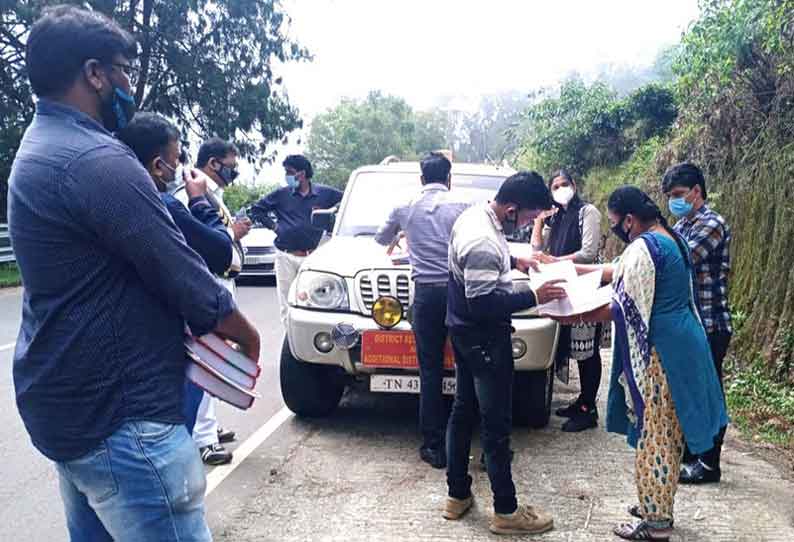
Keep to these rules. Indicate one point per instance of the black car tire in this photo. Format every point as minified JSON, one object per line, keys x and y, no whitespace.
{"x":309,"y":390}
{"x":532,"y":393}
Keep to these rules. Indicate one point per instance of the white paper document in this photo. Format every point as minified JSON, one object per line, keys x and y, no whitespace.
{"x":585,"y":292}
{"x":520,"y":250}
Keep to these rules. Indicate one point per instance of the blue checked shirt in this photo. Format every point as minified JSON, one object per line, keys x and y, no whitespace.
{"x":709,"y":239}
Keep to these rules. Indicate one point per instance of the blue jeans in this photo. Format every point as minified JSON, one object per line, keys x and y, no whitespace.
{"x":430,"y":331}
{"x":484,"y":376}
{"x":144,"y":482}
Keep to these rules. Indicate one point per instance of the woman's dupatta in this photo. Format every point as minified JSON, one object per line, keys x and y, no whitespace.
{"x":634,"y":285}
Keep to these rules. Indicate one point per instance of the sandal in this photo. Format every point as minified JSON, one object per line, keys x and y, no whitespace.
{"x":636,"y":511}
{"x":642,"y":531}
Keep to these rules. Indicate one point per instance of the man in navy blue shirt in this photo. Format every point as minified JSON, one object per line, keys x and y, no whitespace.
{"x":99,"y":365}
{"x":292,"y":206}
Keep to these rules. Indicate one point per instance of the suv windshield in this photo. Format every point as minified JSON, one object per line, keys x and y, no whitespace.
{"x":375,"y":194}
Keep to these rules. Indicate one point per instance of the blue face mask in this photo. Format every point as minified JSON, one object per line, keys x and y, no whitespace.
{"x":118,"y":111}
{"x":680,"y":207}
{"x":292,"y":182}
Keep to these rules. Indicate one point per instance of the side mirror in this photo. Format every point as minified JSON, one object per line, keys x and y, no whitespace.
{"x":324,"y":219}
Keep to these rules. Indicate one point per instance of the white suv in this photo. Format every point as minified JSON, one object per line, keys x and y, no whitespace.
{"x":349,"y":282}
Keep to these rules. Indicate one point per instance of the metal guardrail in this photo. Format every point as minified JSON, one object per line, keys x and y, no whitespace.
{"x":6,"y":252}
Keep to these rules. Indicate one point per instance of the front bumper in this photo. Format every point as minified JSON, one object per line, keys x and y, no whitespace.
{"x":259,"y":266}
{"x":303,"y":325}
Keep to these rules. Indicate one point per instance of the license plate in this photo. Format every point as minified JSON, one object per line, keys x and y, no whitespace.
{"x":396,"y":350}
{"x":406,"y":384}
{"x":256,"y":260}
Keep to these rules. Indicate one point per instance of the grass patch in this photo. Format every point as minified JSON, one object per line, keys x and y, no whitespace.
{"x":761,"y":407}
{"x":9,"y":275}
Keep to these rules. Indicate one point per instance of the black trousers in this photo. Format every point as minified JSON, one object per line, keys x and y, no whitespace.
{"x":484,"y":375}
{"x":719,"y":343}
{"x":430,"y":332}
{"x":589,"y":369}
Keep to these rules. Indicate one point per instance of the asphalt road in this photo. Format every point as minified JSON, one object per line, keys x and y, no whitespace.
{"x":30,"y":507}
{"x":356,"y":475}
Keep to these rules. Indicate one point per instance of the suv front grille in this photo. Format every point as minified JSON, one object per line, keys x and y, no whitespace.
{"x":373,"y":284}
{"x":258,"y":251}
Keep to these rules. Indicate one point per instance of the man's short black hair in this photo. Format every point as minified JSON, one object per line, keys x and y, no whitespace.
{"x":214,"y":147}
{"x":148,"y":135}
{"x":63,"y":39}
{"x":684,"y":174}
{"x":435,"y":168}
{"x":298,"y":162}
{"x":525,"y":189}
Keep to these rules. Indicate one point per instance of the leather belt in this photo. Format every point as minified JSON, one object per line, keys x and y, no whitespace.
{"x":432,"y":284}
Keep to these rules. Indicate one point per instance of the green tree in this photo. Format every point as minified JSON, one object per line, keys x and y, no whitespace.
{"x":489,"y":134}
{"x":206,"y":64}
{"x":238,"y":196}
{"x":584,"y":127}
{"x":360,"y":132}
{"x":578,"y":129}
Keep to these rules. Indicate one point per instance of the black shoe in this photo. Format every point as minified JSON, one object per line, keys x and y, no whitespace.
{"x":569,"y":411}
{"x":215,"y":454}
{"x":224,"y":435}
{"x":585,"y":418}
{"x":435,"y":457}
{"x":696,"y":473}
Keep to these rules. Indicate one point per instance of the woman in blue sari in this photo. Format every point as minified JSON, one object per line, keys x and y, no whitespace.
{"x":664,"y":390}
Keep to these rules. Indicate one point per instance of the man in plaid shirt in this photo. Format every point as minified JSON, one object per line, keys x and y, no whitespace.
{"x":709,"y":239}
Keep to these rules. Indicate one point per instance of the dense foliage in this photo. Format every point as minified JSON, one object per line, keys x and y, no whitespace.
{"x":361,"y":132}
{"x":207,"y":64}
{"x":582,"y":126}
{"x":733,"y":90}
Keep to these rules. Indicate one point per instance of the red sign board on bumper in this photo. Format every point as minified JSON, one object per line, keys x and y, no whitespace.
{"x":396,"y":350}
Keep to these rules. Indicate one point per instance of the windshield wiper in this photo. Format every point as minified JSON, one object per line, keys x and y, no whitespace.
{"x":365,"y":234}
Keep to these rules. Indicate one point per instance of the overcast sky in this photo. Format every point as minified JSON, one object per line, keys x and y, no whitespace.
{"x":423,"y":50}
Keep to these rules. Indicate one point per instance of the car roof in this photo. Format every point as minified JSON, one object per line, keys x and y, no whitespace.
{"x":457,"y":169}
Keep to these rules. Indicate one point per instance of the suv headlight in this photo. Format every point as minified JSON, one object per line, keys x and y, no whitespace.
{"x":316,"y":290}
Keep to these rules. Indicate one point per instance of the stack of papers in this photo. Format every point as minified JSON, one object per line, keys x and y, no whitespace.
{"x":585,"y":292}
{"x":221,"y":371}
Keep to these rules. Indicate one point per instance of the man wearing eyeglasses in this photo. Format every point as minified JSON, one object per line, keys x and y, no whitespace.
{"x":99,"y":365}
{"x":217,"y":159}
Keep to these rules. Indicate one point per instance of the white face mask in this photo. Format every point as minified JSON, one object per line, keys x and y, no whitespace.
{"x":563,"y":195}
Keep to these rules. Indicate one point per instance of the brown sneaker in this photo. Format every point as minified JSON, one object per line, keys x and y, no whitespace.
{"x":526,"y":519}
{"x":457,"y":508}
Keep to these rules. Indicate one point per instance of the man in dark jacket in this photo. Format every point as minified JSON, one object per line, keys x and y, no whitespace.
{"x":155,"y":141}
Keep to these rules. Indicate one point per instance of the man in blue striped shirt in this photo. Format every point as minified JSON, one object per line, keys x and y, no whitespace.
{"x":427,"y":221}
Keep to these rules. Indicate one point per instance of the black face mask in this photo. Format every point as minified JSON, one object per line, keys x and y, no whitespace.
{"x":227,"y":174}
{"x":510,"y":224}
{"x":620,"y":233}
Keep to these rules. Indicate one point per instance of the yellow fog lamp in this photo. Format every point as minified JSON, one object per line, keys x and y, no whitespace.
{"x":387,"y":312}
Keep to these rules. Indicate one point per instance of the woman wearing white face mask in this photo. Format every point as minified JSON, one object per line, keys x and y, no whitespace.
{"x":572,"y":231}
